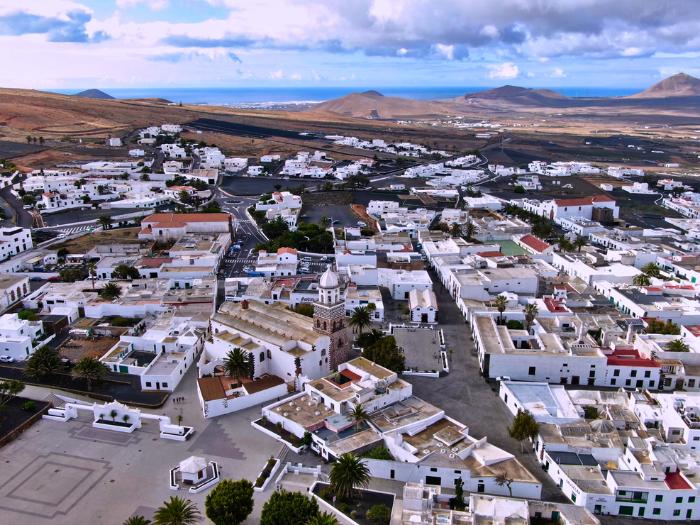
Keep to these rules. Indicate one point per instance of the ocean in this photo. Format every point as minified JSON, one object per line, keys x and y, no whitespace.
{"x":265,"y":96}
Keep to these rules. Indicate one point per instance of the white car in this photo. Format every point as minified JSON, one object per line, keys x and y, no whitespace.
{"x":6,"y":359}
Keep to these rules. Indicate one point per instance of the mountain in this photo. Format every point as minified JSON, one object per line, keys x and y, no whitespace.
{"x":678,"y":85}
{"x":94,"y":93}
{"x":372,"y":104}
{"x":517,"y":95}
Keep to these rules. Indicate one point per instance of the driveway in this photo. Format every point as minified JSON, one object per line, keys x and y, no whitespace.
{"x":466,"y":396}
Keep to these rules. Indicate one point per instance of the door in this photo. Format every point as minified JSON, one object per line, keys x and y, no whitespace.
{"x":123,"y":369}
{"x":157,"y":385}
{"x":433,"y":480}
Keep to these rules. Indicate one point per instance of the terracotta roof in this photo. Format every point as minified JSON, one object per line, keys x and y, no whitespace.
{"x":676,"y":481}
{"x":694,"y":329}
{"x":535,"y":243}
{"x":153,"y":262}
{"x":211,"y":388}
{"x":352,"y":376}
{"x":282,"y":250}
{"x":265,"y":382}
{"x":554,"y":306}
{"x":164,"y":219}
{"x":490,"y":254}
{"x":584,"y":201}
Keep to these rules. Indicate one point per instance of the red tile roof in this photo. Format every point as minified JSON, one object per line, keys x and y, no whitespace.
{"x":584,"y":201}
{"x":535,"y":243}
{"x":694,"y":329}
{"x":282,"y":250}
{"x":165,"y":220}
{"x":630,"y":357}
{"x":676,"y":481}
{"x":554,"y":306}
{"x":352,"y":376}
{"x":153,"y":262}
{"x":490,"y":254}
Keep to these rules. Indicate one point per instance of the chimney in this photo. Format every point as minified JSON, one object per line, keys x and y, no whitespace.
{"x":244,"y":304}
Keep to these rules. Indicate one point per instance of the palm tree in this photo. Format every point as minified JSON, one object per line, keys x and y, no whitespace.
{"x":324,"y":518}
{"x":237,"y":364}
{"x":90,"y":369}
{"x":652,"y":270}
{"x":580,"y":242}
{"x":105,"y":221}
{"x":137,"y":520}
{"x":361,"y":318}
{"x":530,"y":314}
{"x":677,"y":345}
{"x":44,"y":362}
{"x":501,"y":303}
{"x":564,"y":244}
{"x":455,"y":230}
{"x":177,"y":511}
{"x":110,"y":291}
{"x":92,"y":272}
{"x":641,"y":279}
{"x":469,"y":229}
{"x":347,"y":473}
{"x":359,"y":415}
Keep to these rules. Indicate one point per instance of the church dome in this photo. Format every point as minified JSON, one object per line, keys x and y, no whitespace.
{"x":329,"y":279}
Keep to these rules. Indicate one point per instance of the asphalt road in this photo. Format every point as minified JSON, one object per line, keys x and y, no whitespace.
{"x":23,"y":217}
{"x":468,"y":397}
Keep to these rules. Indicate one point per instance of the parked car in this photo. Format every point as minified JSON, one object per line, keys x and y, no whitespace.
{"x":361,"y":224}
{"x":6,"y":359}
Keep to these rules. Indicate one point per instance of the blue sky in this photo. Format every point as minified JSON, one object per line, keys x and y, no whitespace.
{"x":63,"y":44}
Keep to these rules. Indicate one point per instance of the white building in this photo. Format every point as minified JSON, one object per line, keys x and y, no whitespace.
{"x":17,"y":336}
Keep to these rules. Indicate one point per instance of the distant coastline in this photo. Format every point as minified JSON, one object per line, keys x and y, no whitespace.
{"x":266,"y":97}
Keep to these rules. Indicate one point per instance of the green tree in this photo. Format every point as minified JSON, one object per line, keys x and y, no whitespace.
{"x":28,"y":199}
{"x":110,"y":291}
{"x":288,"y":508}
{"x":306,"y":309}
{"x":523,"y":427}
{"x":177,"y":511}
{"x":137,"y":520}
{"x":455,"y":229}
{"x":379,"y":515}
{"x":531,"y":312}
{"x":125,"y":271}
{"x":92,"y":273}
{"x":501,"y":303}
{"x":369,"y":338}
{"x":458,"y":501}
{"x":652,"y":270}
{"x":185,"y":198}
{"x":8,"y":390}
{"x":360,"y":318}
{"x":677,"y":345}
{"x":580,"y":242}
{"x":519,"y":189}
{"x":386,"y":353}
{"x":237,"y":363}
{"x":565,"y":245}
{"x":359,"y":415}
{"x":469,"y":230}
{"x":27,"y":315}
{"x":89,"y":369}
{"x":105,"y":221}
{"x":230,"y":502}
{"x":656,"y":326}
{"x":323,"y":518}
{"x":641,"y":279}
{"x":43,"y":363}
{"x":347,"y":474}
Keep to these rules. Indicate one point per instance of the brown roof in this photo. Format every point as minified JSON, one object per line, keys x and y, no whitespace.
{"x":535,"y":243}
{"x":265,"y":382}
{"x":179,"y":219}
{"x":584,"y":201}
{"x":211,"y":388}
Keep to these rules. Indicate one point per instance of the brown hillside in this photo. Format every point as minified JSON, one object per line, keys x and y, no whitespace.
{"x":679,"y":85}
{"x":372,"y":104}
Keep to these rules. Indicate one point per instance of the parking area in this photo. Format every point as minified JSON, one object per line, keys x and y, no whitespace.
{"x":241,"y":263}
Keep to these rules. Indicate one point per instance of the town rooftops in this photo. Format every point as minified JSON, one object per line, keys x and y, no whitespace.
{"x":584,"y":201}
{"x":630,"y":357}
{"x":176,"y":220}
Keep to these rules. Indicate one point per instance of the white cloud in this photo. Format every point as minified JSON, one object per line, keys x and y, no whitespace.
{"x":558,"y":72}
{"x":277,"y":75}
{"x":295,"y":76}
{"x":153,"y":5}
{"x":446,"y":51}
{"x":505,"y":71}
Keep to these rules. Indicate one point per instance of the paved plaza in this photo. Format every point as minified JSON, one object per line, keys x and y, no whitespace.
{"x":71,"y":473}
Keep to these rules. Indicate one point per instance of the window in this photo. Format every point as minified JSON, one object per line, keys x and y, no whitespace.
{"x":691,"y":499}
{"x":659,"y":497}
{"x":148,"y":383}
{"x":613,"y":382}
{"x":165,"y":385}
{"x":616,"y":372}
{"x":633,"y":373}
{"x":656,"y":511}
{"x":626,"y":510}
{"x":679,"y":499}
{"x":433,"y":469}
{"x":531,"y":371}
{"x":647,"y":373}
{"x":676,"y":512}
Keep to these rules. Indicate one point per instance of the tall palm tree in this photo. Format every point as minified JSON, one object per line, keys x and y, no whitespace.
{"x":469,"y":229}
{"x":237,"y":363}
{"x":361,"y":318}
{"x":92,"y":272}
{"x":677,"y":345}
{"x":359,"y":415}
{"x":323,"y":518}
{"x":580,"y":242}
{"x":652,"y":270}
{"x":105,"y":221}
{"x":530,"y":314}
{"x":137,"y":520}
{"x":501,"y":303}
{"x":90,"y":369}
{"x":177,"y":511}
{"x":641,"y":279}
{"x":348,"y":473}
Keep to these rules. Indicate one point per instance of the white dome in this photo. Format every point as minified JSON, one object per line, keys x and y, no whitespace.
{"x":329,"y":279}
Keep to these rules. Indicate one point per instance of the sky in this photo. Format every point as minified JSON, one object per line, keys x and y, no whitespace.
{"x":63,"y":44}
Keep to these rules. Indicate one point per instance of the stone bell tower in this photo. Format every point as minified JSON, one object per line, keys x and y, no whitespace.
{"x":329,"y":317}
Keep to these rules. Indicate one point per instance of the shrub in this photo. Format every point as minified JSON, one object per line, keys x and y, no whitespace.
{"x":379,"y":515}
{"x":29,"y":405}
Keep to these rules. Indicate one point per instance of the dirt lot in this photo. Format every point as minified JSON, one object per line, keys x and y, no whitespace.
{"x":86,"y":242}
{"x":75,"y":349}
